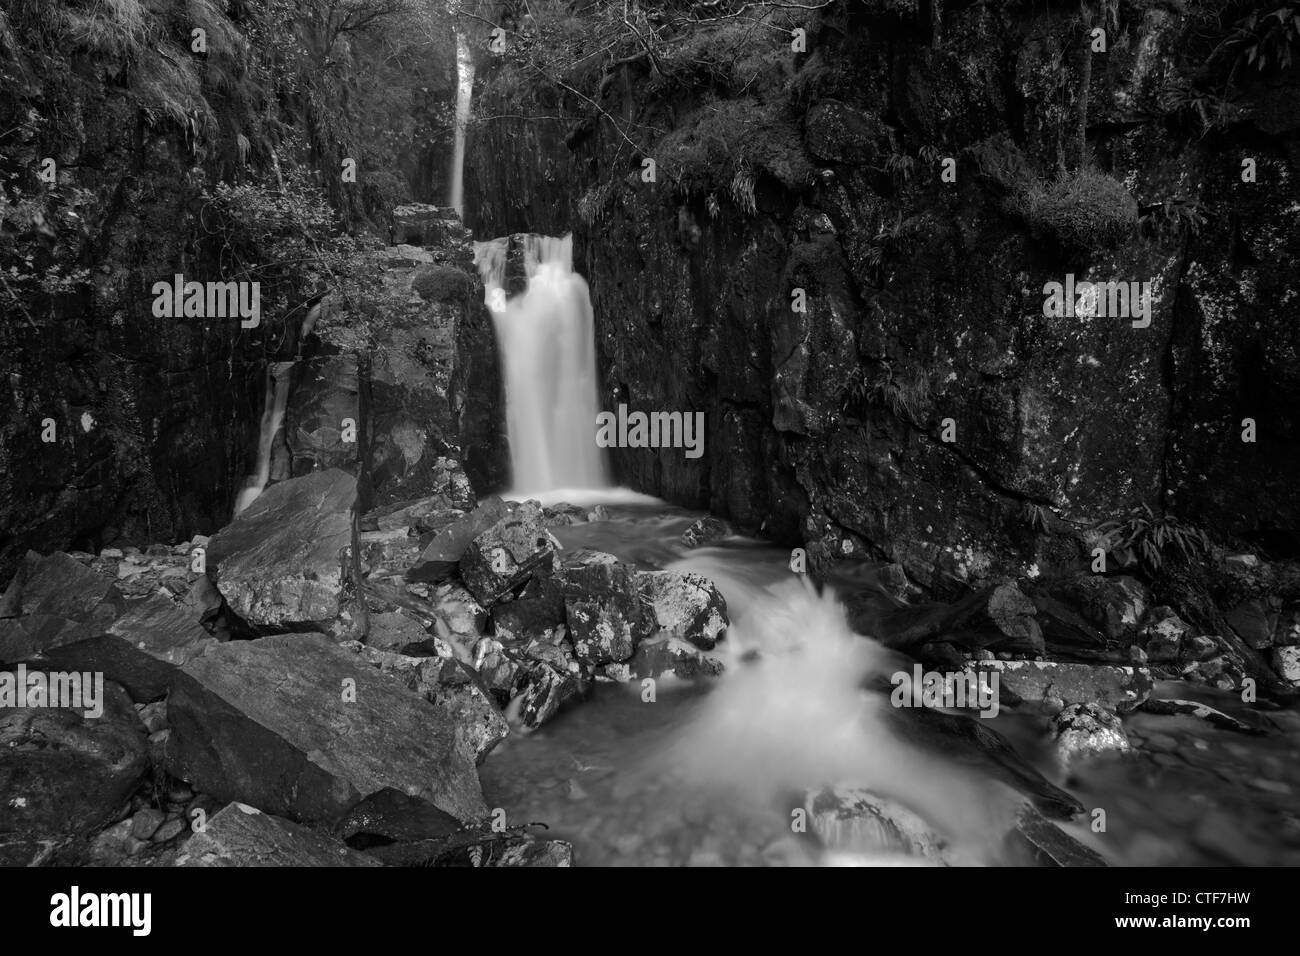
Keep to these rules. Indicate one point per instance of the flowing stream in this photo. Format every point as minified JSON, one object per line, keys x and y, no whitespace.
{"x":713,"y":772}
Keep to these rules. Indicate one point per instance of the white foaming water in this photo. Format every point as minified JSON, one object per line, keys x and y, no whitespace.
{"x":798,"y":718}
{"x":277,"y":398}
{"x":464,"y":96}
{"x":545,"y":338}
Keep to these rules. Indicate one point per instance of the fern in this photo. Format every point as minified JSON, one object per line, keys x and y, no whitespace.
{"x":1151,"y":539}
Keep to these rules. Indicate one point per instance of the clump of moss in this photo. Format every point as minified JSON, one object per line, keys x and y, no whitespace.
{"x":724,"y":138}
{"x":441,"y":283}
{"x":1085,"y":210}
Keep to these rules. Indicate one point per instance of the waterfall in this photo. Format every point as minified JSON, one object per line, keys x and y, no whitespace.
{"x":277,"y":398}
{"x":545,"y":338}
{"x":464,"y":94}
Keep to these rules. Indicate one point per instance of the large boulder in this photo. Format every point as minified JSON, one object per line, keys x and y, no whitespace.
{"x":451,"y":686}
{"x":299,"y":726}
{"x":63,"y":774}
{"x":284,"y":562}
{"x":240,"y":835}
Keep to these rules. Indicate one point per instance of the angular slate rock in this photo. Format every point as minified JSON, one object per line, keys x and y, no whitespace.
{"x":507,"y":554}
{"x":1035,"y":841}
{"x":240,"y":835}
{"x":264,"y":722}
{"x":282,"y":564}
{"x":440,"y":558}
{"x":137,"y":642}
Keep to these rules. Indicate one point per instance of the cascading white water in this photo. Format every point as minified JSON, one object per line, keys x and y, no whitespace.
{"x":464,"y":95}
{"x":277,"y":398}
{"x":545,"y":338}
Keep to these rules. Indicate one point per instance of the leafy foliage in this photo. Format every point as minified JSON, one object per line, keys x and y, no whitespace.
{"x":1151,"y":539}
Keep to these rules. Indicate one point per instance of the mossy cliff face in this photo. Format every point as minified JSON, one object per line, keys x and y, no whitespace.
{"x":153,"y":417}
{"x":925,"y":298}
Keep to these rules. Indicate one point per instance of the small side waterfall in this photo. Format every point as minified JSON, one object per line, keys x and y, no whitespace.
{"x":277,"y":399}
{"x":464,"y":95}
{"x":545,"y":337}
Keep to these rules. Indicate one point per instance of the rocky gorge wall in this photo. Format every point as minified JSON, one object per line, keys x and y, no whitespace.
{"x":925,"y":297}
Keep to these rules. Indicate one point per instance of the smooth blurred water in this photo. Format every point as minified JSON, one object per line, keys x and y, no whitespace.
{"x":545,"y":338}
{"x":708,"y":773}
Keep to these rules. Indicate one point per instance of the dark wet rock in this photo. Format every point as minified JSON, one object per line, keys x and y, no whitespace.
{"x":390,"y":816}
{"x":545,"y":689}
{"x":509,"y":552}
{"x":670,"y":655}
{"x":1066,"y":632}
{"x":323,"y":396}
{"x":564,"y":515}
{"x":1202,"y":647}
{"x":405,"y":515}
{"x":272,"y":722}
{"x":524,"y":619}
{"x":684,"y":605}
{"x":1035,"y":841}
{"x":1115,"y":605}
{"x":971,"y":742}
{"x":420,"y":224}
{"x":76,"y":619}
{"x":604,"y":610}
{"x":999,"y":618}
{"x":1040,"y":682}
{"x":1250,"y":620}
{"x":146,"y":822}
{"x":441,"y":557}
{"x":1164,"y":634}
{"x":704,"y":532}
{"x":243,"y":836}
{"x":499,"y":671}
{"x":393,"y":630}
{"x":859,"y":822}
{"x":284,"y":562}
{"x":455,"y":689}
{"x":63,"y":774}
{"x":839,"y":133}
{"x":1256,"y":724}
{"x":1086,"y":730}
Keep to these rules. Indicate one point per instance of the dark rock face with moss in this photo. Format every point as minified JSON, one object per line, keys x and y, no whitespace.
{"x":824,"y":171}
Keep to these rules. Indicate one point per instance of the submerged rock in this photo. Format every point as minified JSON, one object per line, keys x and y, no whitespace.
{"x":1035,"y":841}
{"x":301,"y":727}
{"x":240,"y":835}
{"x":285,"y":559}
{"x":858,"y":821}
